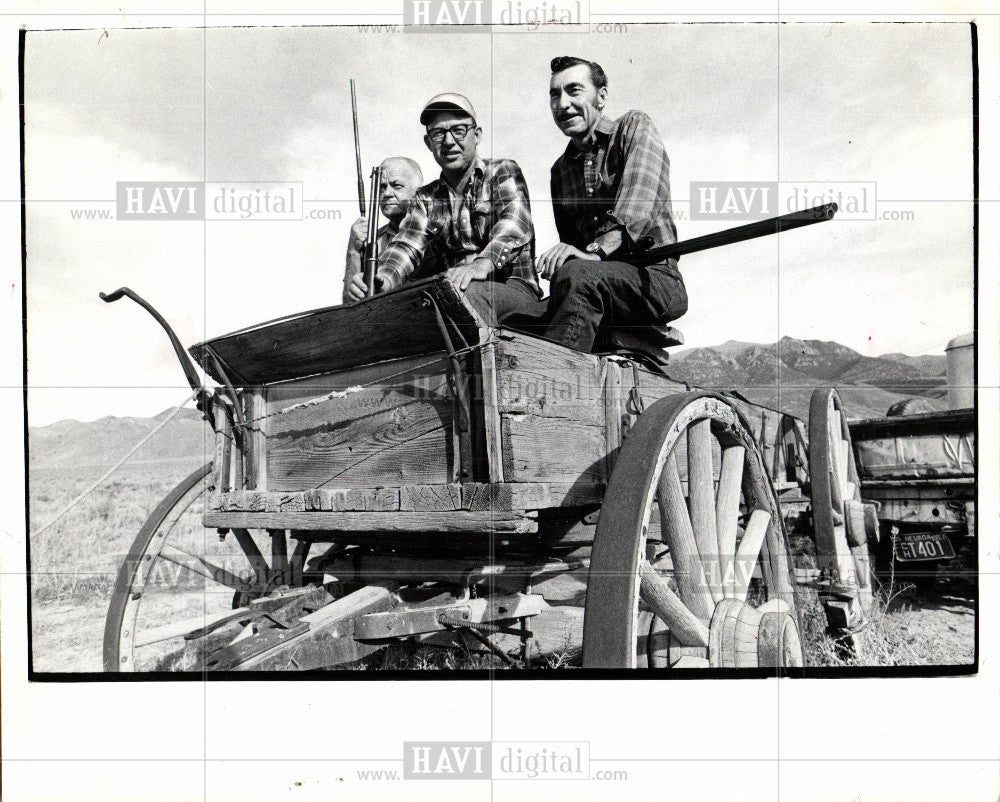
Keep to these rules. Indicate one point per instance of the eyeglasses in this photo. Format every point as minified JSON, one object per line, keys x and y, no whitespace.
{"x":458,"y":133}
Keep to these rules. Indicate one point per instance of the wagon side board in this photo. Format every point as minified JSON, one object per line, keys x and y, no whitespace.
{"x":364,"y":446}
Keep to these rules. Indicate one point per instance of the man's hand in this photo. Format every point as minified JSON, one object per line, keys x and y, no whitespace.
{"x":355,"y":288}
{"x":478,"y":269}
{"x":359,"y":233}
{"x":609,"y":242}
{"x":553,"y":258}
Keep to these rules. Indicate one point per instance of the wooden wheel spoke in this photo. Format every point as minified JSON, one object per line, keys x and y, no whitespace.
{"x":748,"y":552}
{"x":252,"y":552}
{"x":728,"y":513}
{"x":845,"y":560}
{"x":279,"y":555}
{"x":701,"y":494}
{"x":684,"y":625}
{"x":178,"y":629}
{"x":199,"y":565}
{"x":843,"y":462}
{"x":677,"y":531}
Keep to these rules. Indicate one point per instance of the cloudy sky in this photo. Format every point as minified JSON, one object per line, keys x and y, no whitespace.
{"x":823,"y":103}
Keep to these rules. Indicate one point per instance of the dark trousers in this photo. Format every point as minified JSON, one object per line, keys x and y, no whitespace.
{"x":584,"y":294}
{"x":494,"y":300}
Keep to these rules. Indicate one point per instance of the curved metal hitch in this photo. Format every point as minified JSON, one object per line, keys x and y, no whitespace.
{"x":203,"y":401}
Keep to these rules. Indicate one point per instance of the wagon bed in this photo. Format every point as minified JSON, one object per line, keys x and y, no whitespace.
{"x":351,"y":411}
{"x":434,"y":458}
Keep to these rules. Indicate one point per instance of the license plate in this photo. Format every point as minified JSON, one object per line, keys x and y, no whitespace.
{"x":911,"y":547}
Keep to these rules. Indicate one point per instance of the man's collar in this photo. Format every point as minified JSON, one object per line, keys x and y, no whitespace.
{"x":601,"y":130}
{"x":478,"y":166}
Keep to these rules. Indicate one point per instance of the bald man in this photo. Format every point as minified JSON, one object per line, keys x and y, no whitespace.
{"x":401,"y":177}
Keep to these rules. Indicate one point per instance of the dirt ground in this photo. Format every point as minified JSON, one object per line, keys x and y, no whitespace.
{"x":934,"y":627}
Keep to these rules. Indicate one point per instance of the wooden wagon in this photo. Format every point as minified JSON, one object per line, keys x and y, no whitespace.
{"x":398,"y":469}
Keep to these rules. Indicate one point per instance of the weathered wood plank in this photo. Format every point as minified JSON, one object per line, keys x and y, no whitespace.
{"x":613,"y":411}
{"x":395,"y":324}
{"x":390,"y":427}
{"x":404,"y":622}
{"x":955,"y":421}
{"x":533,"y":495}
{"x":329,"y":639}
{"x":652,"y":386}
{"x":222,"y":461}
{"x":539,"y":378}
{"x":427,"y":498}
{"x":544,"y":449}
{"x":477,"y":497}
{"x":255,"y":434}
{"x":459,"y":521}
{"x":491,"y":414}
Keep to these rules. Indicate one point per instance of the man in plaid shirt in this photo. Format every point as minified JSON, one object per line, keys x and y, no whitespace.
{"x":611,"y":198}
{"x":473,"y":223}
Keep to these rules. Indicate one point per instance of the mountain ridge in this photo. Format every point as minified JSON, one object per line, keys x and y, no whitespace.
{"x":779,"y":375}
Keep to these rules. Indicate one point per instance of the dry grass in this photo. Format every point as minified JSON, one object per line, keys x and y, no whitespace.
{"x":77,"y":558}
{"x":904,"y":628}
{"x":881,"y":640}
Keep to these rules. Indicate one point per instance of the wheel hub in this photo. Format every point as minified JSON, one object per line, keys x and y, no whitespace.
{"x":741,"y":636}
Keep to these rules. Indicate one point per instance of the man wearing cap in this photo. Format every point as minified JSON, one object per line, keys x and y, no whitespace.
{"x":401,"y":177}
{"x":611,"y":198}
{"x":476,"y":217}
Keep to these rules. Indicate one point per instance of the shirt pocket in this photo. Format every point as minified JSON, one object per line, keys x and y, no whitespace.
{"x":482,"y":220}
{"x":609,"y":174}
{"x":434,"y":228}
{"x":607,"y":179}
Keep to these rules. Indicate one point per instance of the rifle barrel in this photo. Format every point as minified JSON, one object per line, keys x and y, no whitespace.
{"x":357,"y":150}
{"x":371,"y":245}
{"x":762,"y":228}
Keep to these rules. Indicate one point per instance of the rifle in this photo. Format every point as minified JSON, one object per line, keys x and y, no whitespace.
{"x":371,"y":241}
{"x":357,"y":150}
{"x":762,"y":228}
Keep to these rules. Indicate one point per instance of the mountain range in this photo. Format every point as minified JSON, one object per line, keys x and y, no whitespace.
{"x":781,"y":375}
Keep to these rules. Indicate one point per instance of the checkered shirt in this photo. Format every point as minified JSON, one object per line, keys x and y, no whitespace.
{"x":491,"y":218}
{"x":622,"y":180}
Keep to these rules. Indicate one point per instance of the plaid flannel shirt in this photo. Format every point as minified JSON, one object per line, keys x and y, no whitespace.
{"x":491,"y":218}
{"x":355,"y":257}
{"x":621,"y":181}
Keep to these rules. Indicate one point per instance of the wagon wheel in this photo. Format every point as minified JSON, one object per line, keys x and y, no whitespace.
{"x":179,"y":584}
{"x":790,"y":457}
{"x":841,"y":521}
{"x":710,"y":568}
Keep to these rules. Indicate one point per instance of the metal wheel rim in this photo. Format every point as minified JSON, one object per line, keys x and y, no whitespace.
{"x":835,"y":484}
{"x":137,"y":576}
